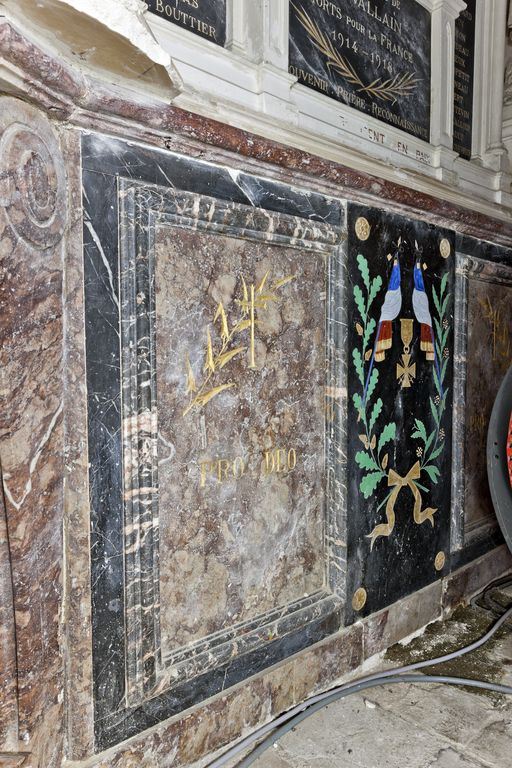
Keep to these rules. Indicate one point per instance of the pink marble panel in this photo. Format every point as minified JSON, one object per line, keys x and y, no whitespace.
{"x":489,"y":354}
{"x":240,"y":475}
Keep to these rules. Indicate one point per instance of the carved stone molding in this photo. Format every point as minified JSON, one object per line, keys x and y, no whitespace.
{"x":482,"y":344}
{"x":93,"y":103}
{"x":131,"y":220}
{"x":8,"y":676}
{"x":143,"y":209}
{"x":12,"y":760}
{"x":32,"y":176}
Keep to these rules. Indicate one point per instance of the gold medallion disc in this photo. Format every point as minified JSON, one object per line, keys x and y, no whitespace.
{"x":359,"y":599}
{"x":445,"y":248}
{"x":362,"y":228}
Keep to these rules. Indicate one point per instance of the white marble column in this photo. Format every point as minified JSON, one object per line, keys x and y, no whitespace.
{"x":507,"y":99}
{"x":491,"y":30}
{"x":274,"y":81}
{"x":444,"y":14}
{"x":244,"y":34}
{"x":258,"y":30}
{"x":276,"y":27}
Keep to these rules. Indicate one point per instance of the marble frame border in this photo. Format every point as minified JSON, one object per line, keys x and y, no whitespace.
{"x":128,"y":697}
{"x":467,"y":267}
{"x":142,"y":209}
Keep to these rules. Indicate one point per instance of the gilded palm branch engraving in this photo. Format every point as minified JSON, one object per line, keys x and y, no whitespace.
{"x":217,"y":356}
{"x":385,"y":90}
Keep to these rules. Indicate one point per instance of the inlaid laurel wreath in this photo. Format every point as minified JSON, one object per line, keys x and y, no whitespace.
{"x":374,"y":460}
{"x":386,"y":90}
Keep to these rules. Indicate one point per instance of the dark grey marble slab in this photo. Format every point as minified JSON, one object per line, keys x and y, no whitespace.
{"x":373,"y":56}
{"x":483,"y":249}
{"x":141,"y":163}
{"x":206,"y":18}
{"x":399,"y":434}
{"x":465,"y":27}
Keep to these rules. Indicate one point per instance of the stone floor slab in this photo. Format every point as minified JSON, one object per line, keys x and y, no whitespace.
{"x":415,"y":725}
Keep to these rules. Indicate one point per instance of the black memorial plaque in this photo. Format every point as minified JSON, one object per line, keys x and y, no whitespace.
{"x":463,"y":76}
{"x":373,"y":56}
{"x":400,"y":294}
{"x":206,"y":18}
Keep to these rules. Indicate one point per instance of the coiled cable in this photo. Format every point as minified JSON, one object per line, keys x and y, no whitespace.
{"x":274,"y":730}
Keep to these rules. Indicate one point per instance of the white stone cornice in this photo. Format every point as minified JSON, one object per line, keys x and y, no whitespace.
{"x":250,"y":87}
{"x":120,"y":47}
{"x":452,"y":7}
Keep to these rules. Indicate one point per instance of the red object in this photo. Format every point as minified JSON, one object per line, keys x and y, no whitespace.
{"x":427,"y":341}
{"x":509,"y":450}
{"x":384,"y":340}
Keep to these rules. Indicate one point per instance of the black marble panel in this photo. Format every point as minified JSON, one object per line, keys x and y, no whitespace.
{"x":126,"y":188}
{"x":104,"y":378}
{"x":141,"y":163}
{"x":372,"y":55}
{"x":490,"y":539}
{"x":465,"y":27}
{"x":482,"y":249}
{"x":124,"y":723}
{"x":206,"y":18}
{"x":400,"y":375}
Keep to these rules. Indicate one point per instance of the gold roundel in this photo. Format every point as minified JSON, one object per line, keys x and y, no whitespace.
{"x":440,"y":561}
{"x":363,"y":228}
{"x":359,"y":599}
{"x":445,"y":248}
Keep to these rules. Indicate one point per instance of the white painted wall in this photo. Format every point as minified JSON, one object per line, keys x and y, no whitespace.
{"x":248,"y":85}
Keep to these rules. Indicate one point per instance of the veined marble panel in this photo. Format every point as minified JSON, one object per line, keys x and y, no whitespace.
{"x":486,"y":290}
{"x":246,"y":466}
{"x":33,"y":217}
{"x":215,"y":463}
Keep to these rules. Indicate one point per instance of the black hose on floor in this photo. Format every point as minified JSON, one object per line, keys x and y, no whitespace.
{"x":273,"y":731}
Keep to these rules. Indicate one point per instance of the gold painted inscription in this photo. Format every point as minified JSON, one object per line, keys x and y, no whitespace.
{"x":478,"y":423}
{"x":365,"y":44}
{"x":174,"y":12}
{"x":278,"y":461}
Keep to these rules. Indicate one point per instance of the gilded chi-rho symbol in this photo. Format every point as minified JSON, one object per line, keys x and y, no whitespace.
{"x":254,"y":299}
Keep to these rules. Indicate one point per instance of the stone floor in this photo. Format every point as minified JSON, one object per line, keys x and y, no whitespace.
{"x":416,"y":725}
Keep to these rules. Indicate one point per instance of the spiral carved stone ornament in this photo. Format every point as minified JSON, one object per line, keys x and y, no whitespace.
{"x":32,"y":176}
